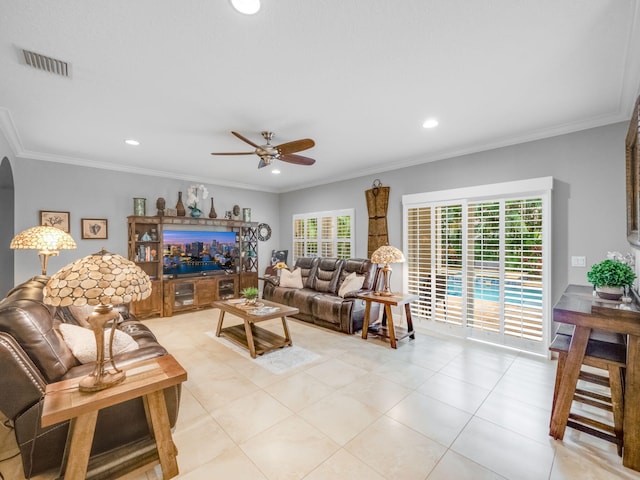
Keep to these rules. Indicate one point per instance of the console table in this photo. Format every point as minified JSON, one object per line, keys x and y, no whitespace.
{"x":579,"y":307}
{"x":63,"y":401}
{"x":388,"y":329}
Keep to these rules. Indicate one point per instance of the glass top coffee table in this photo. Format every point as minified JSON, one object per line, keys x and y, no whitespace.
{"x":249,"y":335}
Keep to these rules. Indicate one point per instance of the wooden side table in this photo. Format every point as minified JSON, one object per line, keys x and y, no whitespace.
{"x":388,"y":329}
{"x":63,"y":401}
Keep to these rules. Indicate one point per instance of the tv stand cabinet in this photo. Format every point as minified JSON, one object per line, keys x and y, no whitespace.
{"x":183,"y":294}
{"x":177,"y":295}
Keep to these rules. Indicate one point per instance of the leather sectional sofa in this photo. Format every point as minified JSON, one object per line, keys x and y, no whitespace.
{"x":318,"y":300}
{"x":33,"y":354}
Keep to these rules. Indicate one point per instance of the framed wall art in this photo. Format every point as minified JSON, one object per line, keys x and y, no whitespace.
{"x":633,"y":177}
{"x":59,"y":220}
{"x":94,"y":229}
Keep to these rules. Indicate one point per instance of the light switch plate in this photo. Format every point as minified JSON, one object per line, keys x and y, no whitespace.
{"x":577,"y":261}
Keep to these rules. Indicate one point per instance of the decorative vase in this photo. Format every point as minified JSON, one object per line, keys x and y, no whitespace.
{"x":212,"y":212}
{"x":180,"y":206}
{"x":250,"y":301}
{"x":610,"y":293}
{"x":246,"y":215}
{"x":195,"y":212}
{"x":140,"y":207}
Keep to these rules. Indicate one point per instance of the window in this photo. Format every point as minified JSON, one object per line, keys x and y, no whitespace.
{"x":326,"y":234}
{"x":477,"y":258}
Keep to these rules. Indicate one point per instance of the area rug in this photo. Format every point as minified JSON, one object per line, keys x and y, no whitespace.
{"x":277,"y":361}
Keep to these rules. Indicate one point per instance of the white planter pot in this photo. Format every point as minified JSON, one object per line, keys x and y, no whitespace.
{"x":610,"y":293}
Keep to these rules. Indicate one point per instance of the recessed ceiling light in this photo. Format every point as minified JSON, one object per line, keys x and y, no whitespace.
{"x":248,"y":7}
{"x":430,"y":123}
{"x":275,"y":171}
{"x":133,"y":142}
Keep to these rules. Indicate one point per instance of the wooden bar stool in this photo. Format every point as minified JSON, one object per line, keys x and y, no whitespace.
{"x":605,"y":351}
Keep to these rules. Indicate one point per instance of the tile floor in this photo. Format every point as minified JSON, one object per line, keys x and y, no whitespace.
{"x":437,"y":408}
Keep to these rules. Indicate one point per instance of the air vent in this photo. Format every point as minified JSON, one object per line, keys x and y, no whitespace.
{"x":48,"y":64}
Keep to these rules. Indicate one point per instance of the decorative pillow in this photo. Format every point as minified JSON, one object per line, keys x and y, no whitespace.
{"x":351,"y":283}
{"x":82,"y":342}
{"x":81,"y":314}
{"x":291,"y":279}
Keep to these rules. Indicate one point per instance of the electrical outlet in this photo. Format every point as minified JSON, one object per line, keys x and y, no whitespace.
{"x":578,"y":261}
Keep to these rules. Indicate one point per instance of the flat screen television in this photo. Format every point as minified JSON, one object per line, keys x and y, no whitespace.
{"x":198,"y":252}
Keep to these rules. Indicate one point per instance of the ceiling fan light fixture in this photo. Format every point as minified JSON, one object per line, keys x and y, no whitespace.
{"x":430,"y":123}
{"x":248,"y":7}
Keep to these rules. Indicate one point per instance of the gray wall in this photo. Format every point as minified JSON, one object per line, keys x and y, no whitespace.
{"x":588,"y":199}
{"x":6,"y":225}
{"x":95,"y":193}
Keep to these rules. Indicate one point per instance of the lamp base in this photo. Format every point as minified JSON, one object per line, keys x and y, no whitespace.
{"x":385,"y":293}
{"x":91,"y":383}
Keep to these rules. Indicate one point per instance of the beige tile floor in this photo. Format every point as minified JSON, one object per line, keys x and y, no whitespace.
{"x":436,"y":408}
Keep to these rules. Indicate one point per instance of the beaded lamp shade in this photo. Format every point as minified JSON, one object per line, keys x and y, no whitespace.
{"x":103,"y":279}
{"x":387,"y":254}
{"x":47,"y":240}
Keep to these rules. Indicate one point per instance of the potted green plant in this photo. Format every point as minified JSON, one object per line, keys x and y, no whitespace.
{"x":609,"y":277}
{"x":250,"y":295}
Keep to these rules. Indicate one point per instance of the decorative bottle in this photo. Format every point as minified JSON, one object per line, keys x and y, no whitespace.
{"x":180,"y":206}
{"x":212,"y":212}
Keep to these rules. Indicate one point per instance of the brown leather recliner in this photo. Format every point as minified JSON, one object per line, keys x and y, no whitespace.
{"x":33,"y":354}
{"x":319,"y":302}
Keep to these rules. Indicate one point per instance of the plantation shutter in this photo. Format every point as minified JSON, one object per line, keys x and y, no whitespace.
{"x":418,"y":252}
{"x":523,"y":268}
{"x":326,"y":234}
{"x":447,"y":274}
{"x":483,"y":266}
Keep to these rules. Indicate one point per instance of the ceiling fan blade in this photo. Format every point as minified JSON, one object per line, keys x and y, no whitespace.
{"x":297,"y":159}
{"x":233,"y":153}
{"x":295,"y":146}
{"x":246,"y":140}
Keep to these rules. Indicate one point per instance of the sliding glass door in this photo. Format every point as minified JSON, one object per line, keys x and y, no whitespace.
{"x":479,"y":267}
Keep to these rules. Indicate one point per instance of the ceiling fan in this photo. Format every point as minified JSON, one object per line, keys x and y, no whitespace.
{"x":284,"y":152}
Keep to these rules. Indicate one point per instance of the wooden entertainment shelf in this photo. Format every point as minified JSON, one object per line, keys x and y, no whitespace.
{"x":174,"y":295}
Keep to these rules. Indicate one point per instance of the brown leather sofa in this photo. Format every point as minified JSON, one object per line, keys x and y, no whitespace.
{"x":33,"y":354}
{"x":319,"y":302}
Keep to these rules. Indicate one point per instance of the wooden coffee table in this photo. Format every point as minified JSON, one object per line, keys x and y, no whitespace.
{"x":249,"y":335}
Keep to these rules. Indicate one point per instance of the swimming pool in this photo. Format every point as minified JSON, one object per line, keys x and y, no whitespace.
{"x":487,"y":288}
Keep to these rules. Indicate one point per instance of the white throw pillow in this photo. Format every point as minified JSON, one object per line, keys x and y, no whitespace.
{"x":351,"y":283}
{"x":291,"y":279}
{"x":82,"y":342}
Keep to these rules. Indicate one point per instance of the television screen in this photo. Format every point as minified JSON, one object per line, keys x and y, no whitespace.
{"x":198,"y":252}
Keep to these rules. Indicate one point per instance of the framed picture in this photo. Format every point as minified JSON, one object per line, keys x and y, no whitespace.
{"x":55,"y":219}
{"x":279,"y":256}
{"x":94,"y":228}
{"x":633,"y":177}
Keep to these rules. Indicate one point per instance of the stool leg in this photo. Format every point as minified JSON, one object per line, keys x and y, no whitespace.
{"x":570,"y":374}
{"x":562,"y":358}
{"x":617,"y":402}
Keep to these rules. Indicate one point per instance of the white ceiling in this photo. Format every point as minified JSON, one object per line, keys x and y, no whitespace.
{"x":357,"y":76}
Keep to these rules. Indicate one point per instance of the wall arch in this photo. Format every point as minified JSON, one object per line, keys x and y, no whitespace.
{"x":7,"y":226}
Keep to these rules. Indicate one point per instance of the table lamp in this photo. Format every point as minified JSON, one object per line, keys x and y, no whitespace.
{"x":103,"y":279}
{"x":47,"y":240}
{"x":386,"y":255}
